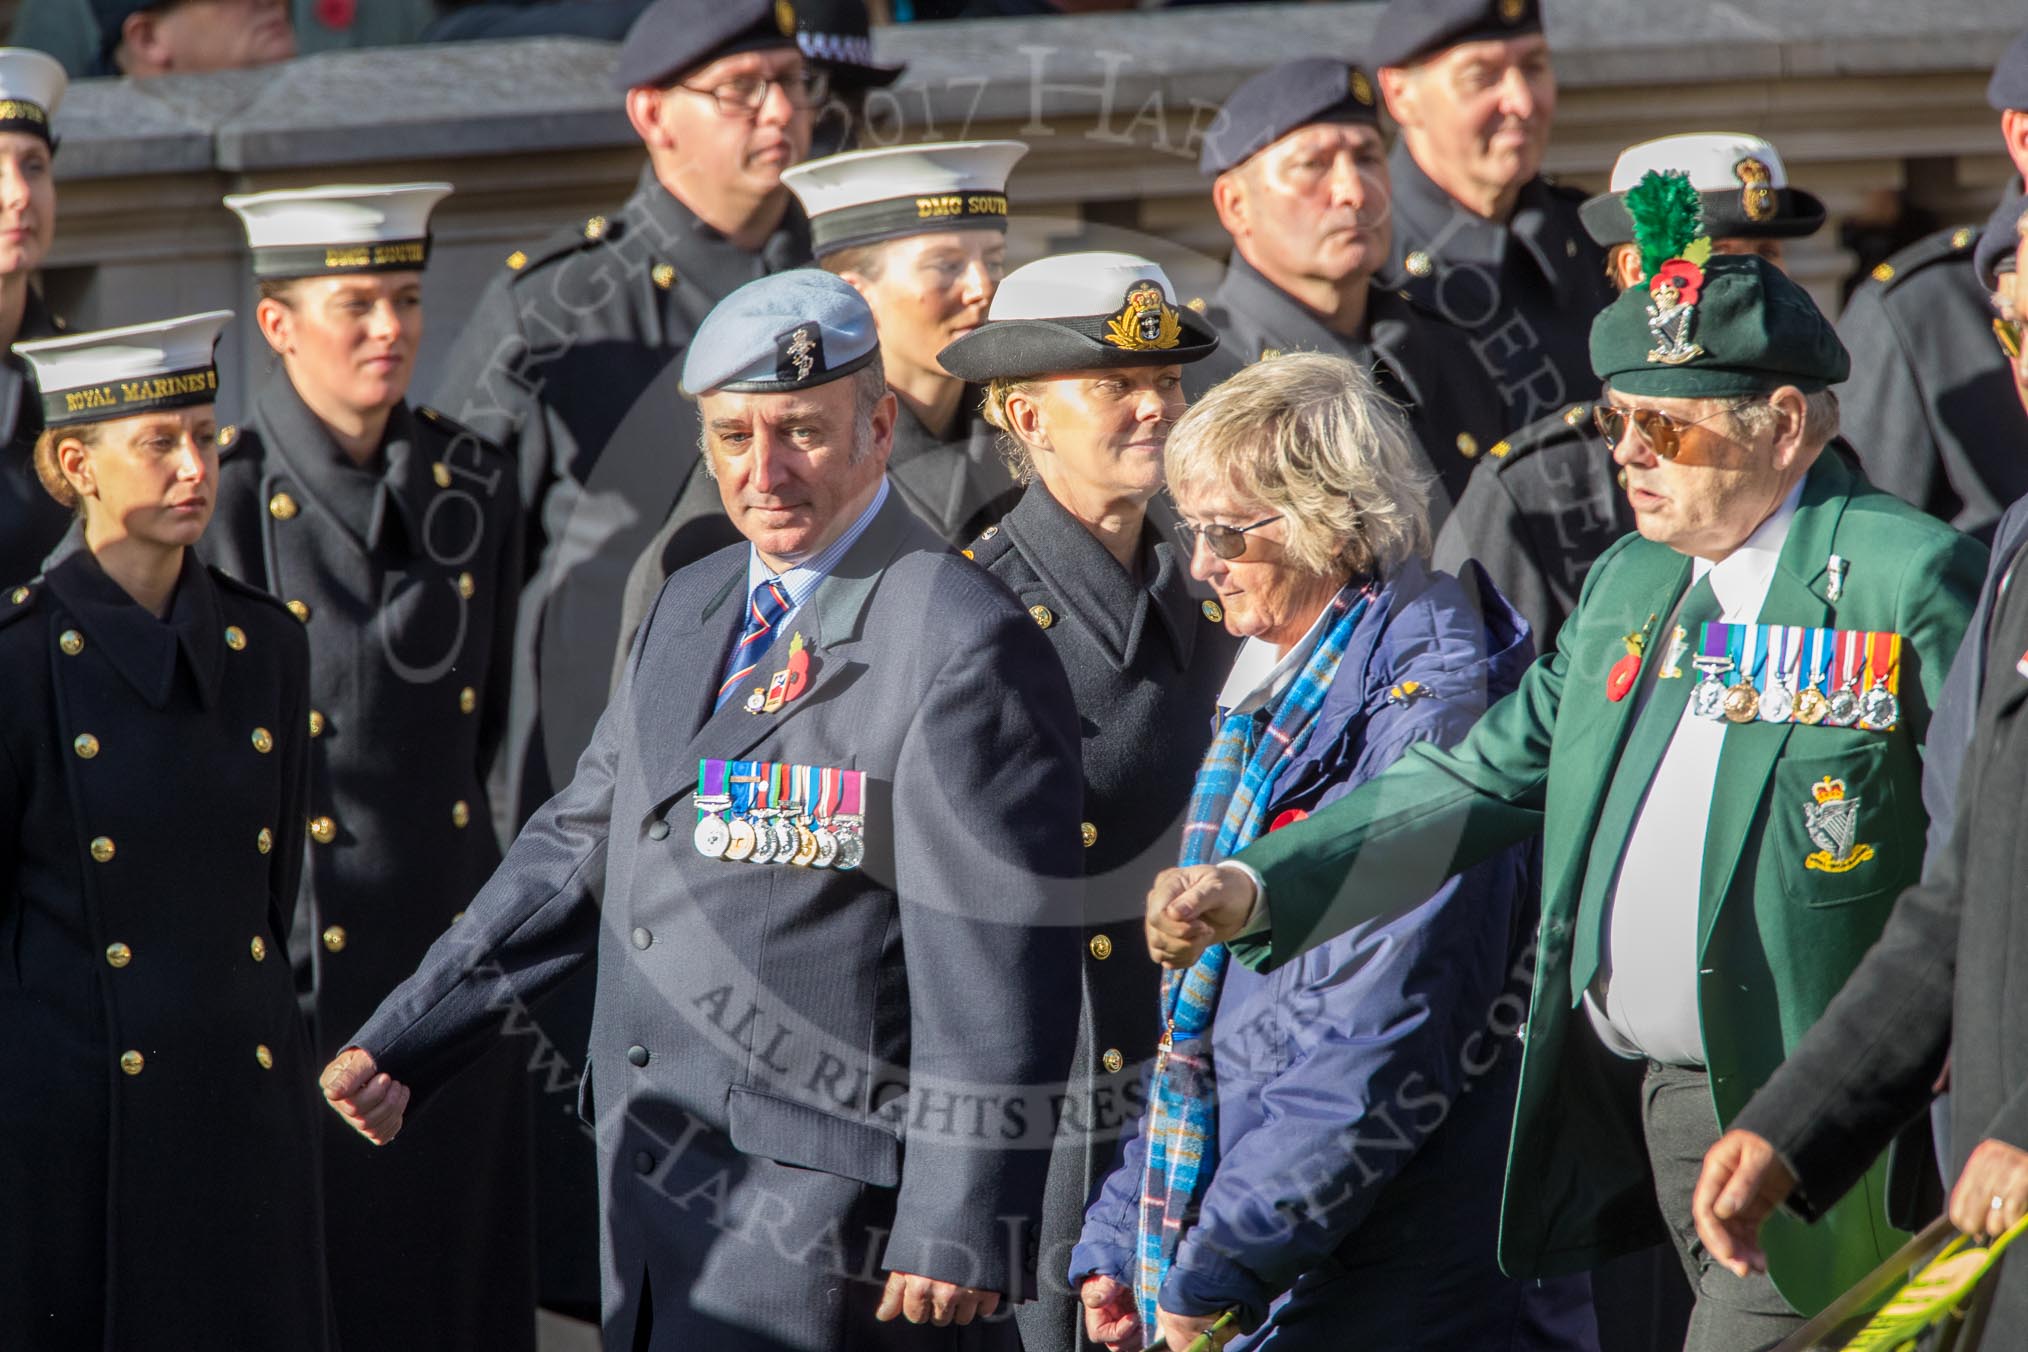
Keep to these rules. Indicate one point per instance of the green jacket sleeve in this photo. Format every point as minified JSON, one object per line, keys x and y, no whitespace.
{"x":1388,"y":844}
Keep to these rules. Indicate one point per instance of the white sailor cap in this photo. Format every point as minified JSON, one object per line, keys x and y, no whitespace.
{"x":863,"y":196}
{"x":117,"y":373}
{"x":31,"y":87}
{"x":786,"y":331}
{"x":1741,"y":178}
{"x":314,"y":232}
{"x":1080,"y":312}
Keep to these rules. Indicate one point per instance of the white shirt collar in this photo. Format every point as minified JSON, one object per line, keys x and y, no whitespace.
{"x":1740,"y":579}
{"x":1258,"y":675}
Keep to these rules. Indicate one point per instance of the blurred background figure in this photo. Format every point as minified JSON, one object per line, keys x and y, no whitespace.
{"x":31,"y":87}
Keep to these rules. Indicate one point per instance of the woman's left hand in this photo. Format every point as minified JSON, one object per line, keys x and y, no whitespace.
{"x":1992,"y":1193}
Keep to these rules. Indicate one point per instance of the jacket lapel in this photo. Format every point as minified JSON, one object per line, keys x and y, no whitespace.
{"x":1795,"y":596}
{"x":830,"y":625}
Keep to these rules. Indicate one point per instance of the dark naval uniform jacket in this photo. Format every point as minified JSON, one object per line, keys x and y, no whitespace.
{"x":158,"y":1145}
{"x":1525,"y":292}
{"x":1428,"y":367}
{"x":802,"y":1076}
{"x":1537,"y":513}
{"x":405,"y":576}
{"x":31,"y":521}
{"x":1146,"y":660}
{"x":1941,"y":988}
{"x":1930,"y":405}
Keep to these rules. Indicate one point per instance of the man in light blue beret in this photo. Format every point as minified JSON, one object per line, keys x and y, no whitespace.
{"x":822,"y":853}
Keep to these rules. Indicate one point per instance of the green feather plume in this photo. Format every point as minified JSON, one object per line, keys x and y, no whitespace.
{"x":1667,"y":214}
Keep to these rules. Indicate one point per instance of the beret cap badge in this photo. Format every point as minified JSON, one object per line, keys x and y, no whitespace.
{"x":1667,"y":215}
{"x":1513,"y":10}
{"x":1359,"y":86}
{"x":801,"y":352}
{"x":1145,"y":321}
{"x":785,"y":18}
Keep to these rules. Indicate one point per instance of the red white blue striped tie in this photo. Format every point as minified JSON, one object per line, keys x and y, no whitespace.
{"x":764,"y":610}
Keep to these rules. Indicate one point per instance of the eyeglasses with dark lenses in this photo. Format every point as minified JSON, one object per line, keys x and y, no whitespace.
{"x":1663,"y":433}
{"x":1227,"y":542}
{"x":805,"y":88}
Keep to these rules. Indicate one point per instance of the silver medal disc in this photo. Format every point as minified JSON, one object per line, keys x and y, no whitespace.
{"x":1708,"y":701}
{"x":851,"y":851}
{"x":787,"y":842}
{"x":1880,"y":707}
{"x":712,"y":837}
{"x":1844,"y":709}
{"x":827,"y":847}
{"x":1778,"y":705}
{"x":763,"y":839}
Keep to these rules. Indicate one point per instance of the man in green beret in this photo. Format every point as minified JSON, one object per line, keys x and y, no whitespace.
{"x":1722,"y":751}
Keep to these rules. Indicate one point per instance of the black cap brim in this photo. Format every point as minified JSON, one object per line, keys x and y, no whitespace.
{"x":848,"y":75}
{"x":1796,"y":214}
{"x":1015,"y":349}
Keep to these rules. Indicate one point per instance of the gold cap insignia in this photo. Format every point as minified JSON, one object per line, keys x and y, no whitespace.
{"x":785,"y":18}
{"x":1756,"y":189}
{"x":1145,"y":321}
{"x":1359,"y":87}
{"x":1513,"y":11}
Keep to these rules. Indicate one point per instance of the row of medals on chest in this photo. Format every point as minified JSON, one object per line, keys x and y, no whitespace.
{"x":1743,"y":702}
{"x":790,"y":835}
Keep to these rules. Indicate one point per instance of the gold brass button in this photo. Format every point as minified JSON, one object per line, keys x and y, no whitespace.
{"x":1101,"y":946}
{"x":1884,"y":273}
{"x":595,"y":228}
{"x":1213,"y":612}
{"x":102,"y":848}
{"x":118,"y":955}
{"x":441,"y":473}
{"x":1960,"y":238}
{"x":265,"y":841}
{"x":264,"y":1056}
{"x":226,"y":436}
{"x":20,"y":595}
{"x":664,"y":275}
{"x":457,"y":917}
{"x":316,"y":724}
{"x":334,"y":938}
{"x":263,"y":740}
{"x":299,"y":610}
{"x":1419,"y":264}
{"x":282,"y":507}
{"x":235,"y":637}
{"x":259,"y":949}
{"x":467,"y":588}
{"x":1042,"y":615}
{"x":468,"y":700}
{"x":131,"y":1062}
{"x":71,"y":641}
{"x":517,"y":260}
{"x":1113,"y":1061}
{"x":85,"y":745}
{"x":1270,"y":353}
{"x":1468,"y":445}
{"x":323,"y":830}
{"x":1089,"y":833}
{"x":461,"y":814}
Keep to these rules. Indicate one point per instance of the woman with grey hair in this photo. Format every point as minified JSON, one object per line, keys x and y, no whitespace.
{"x":1322,"y":1147}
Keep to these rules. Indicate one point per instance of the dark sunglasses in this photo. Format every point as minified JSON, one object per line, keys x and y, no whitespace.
{"x":1663,"y":433}
{"x":1227,"y":542}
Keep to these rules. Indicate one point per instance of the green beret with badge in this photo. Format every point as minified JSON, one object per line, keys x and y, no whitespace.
{"x":1705,"y":325}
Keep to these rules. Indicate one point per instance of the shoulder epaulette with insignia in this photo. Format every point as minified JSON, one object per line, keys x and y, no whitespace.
{"x":568,"y":240}
{"x":991,"y":546}
{"x":452,"y":429}
{"x":1572,"y":424}
{"x":18,"y":600}
{"x":1952,"y":243}
{"x":238,"y":588}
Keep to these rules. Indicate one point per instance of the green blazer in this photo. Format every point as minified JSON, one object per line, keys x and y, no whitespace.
{"x":1778,"y":938}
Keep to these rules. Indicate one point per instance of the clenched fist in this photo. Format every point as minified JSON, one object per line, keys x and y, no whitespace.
{"x":371,"y":1102}
{"x":1190,"y":909}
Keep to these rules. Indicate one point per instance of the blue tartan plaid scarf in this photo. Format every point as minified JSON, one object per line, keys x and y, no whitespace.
{"x":1226,"y":807}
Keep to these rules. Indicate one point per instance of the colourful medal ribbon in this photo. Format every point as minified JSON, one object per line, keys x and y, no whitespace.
{"x":741,"y":785}
{"x":1880,"y":663}
{"x":778,"y":784}
{"x":848,"y":806}
{"x":1712,"y":646}
{"x":1850,"y":657}
{"x":1820,"y":657}
{"x":1735,"y":648}
{"x":827,"y":794}
{"x":711,"y":774}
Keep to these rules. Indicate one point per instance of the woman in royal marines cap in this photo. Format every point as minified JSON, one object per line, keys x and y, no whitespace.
{"x":158,"y":1143}
{"x":394,"y":537}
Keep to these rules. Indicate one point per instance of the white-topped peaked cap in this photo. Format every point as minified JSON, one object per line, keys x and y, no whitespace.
{"x":1740,"y":177}
{"x":345,"y":227}
{"x":116,"y":373}
{"x":1080,"y":312}
{"x":864,"y":196}
{"x":31,"y":88}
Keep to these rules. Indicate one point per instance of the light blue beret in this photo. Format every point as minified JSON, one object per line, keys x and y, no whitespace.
{"x":787,"y":331}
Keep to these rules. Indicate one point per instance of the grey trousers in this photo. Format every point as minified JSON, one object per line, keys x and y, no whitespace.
{"x":1732,"y":1315}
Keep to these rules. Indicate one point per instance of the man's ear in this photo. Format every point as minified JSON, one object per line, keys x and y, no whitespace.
{"x":1229,"y":200}
{"x":644,"y":114}
{"x":1403,"y":93}
{"x":142,"y":40}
